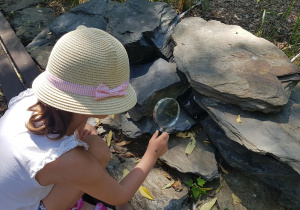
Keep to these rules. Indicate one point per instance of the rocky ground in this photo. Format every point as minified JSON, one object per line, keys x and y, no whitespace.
{"x":252,"y":193}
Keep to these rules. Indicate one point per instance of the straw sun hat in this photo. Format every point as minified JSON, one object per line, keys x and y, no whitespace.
{"x":87,"y":73}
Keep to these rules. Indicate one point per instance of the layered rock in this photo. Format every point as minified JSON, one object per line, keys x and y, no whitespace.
{"x":277,"y":135}
{"x":263,"y":167}
{"x":230,"y":64}
{"x":152,"y":82}
{"x":143,"y":27}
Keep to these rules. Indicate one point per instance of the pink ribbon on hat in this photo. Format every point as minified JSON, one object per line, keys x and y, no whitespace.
{"x":99,"y":92}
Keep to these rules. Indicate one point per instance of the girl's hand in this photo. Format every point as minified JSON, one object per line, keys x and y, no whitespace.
{"x":158,"y":145}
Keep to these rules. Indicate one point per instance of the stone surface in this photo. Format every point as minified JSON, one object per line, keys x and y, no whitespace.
{"x":200,"y":162}
{"x":70,"y":21}
{"x":143,"y":27}
{"x":274,"y":134}
{"x":254,"y":195}
{"x":41,"y":55}
{"x":152,"y":82}
{"x":263,"y":167}
{"x":230,"y":64}
{"x":29,"y":22}
{"x":167,"y":199}
{"x":15,"y":5}
{"x":89,"y":14}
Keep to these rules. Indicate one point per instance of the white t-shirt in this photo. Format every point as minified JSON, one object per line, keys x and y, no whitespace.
{"x":23,"y":154}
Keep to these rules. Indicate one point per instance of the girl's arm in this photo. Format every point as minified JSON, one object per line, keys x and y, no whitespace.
{"x":82,"y":170}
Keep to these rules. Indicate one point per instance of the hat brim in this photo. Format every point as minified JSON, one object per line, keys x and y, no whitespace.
{"x":81,"y":104}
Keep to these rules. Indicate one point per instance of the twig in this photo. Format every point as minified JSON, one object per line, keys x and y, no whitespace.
{"x":183,"y":14}
{"x":294,"y":58}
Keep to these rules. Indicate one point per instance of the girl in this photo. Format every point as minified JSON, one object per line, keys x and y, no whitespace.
{"x":49,"y":155}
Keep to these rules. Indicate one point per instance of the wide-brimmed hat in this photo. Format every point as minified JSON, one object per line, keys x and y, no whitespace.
{"x":87,"y":73}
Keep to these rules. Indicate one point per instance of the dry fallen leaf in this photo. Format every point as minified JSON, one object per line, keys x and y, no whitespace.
{"x":224,"y":171}
{"x":167,"y":176}
{"x":236,"y":199}
{"x":129,"y":154}
{"x":219,"y":188}
{"x":123,"y":143}
{"x":239,"y":119}
{"x":112,"y":116}
{"x":206,"y":142}
{"x":208,"y":205}
{"x":125,"y":172}
{"x":185,"y":135}
{"x":168,"y":185}
{"x":108,"y":139}
{"x":191,"y":146}
{"x":145,"y":192}
{"x":97,"y":120}
{"x":137,"y":160}
{"x":177,"y":186}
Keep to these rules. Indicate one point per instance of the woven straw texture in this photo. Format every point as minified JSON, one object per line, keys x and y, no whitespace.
{"x":87,"y":56}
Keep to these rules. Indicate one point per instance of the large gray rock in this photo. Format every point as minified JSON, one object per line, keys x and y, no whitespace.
{"x":167,"y":199}
{"x":143,"y":27}
{"x":200,"y":162}
{"x":89,"y":14}
{"x":275,"y":134}
{"x":29,"y":22}
{"x":263,"y":167}
{"x":152,"y":82}
{"x":70,"y":21}
{"x":230,"y":64}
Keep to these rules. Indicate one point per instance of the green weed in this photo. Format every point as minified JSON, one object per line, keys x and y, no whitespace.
{"x":197,"y":188}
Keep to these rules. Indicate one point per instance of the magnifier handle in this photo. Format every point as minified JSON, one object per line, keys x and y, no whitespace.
{"x":159,"y":133}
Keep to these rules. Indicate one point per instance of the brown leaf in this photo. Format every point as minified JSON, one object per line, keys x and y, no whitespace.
{"x":119,"y":150}
{"x":236,"y":199}
{"x":123,"y":143}
{"x":167,"y":175}
{"x":177,"y":186}
{"x":129,"y":154}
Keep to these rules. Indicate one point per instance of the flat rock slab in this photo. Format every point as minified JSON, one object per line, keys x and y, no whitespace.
{"x":152,"y":82}
{"x":276,"y":134}
{"x":265,"y":168}
{"x":254,"y":195}
{"x":167,"y":199}
{"x":230,"y":64}
{"x":29,"y":22}
{"x":11,"y":6}
{"x":143,"y":28}
{"x":201,"y":161}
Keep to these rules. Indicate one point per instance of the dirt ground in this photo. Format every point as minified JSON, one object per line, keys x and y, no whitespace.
{"x":245,"y":13}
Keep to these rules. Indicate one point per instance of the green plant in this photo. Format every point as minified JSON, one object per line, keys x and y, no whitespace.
{"x":262,"y":24}
{"x":197,"y":188}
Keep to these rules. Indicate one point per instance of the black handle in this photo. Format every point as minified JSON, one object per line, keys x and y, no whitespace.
{"x":159,"y":133}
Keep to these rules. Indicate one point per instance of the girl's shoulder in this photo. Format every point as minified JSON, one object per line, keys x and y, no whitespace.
{"x":24,"y":94}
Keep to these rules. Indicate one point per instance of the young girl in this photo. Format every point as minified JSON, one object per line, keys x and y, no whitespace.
{"x":49,"y":155}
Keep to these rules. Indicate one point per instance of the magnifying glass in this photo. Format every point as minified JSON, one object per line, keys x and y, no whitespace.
{"x":166,"y":113}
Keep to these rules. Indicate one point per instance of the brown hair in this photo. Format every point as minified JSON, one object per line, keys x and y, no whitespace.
{"x":47,"y":120}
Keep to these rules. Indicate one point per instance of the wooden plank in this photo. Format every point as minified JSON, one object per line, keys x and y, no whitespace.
{"x":9,"y":80}
{"x":23,"y":62}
